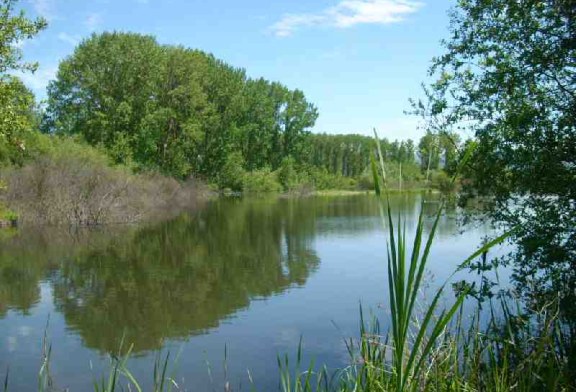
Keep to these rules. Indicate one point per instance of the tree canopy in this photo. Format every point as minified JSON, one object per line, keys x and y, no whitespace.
{"x":173,"y":109}
{"x":508,"y":75}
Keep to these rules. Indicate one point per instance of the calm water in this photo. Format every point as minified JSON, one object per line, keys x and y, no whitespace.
{"x":249,"y":275}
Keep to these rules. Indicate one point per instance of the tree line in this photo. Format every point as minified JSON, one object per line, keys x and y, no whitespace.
{"x":172,"y":109}
{"x":184,"y":113}
{"x":124,"y":107}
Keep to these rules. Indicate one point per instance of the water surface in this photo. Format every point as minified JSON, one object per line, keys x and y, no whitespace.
{"x":247,"y":276}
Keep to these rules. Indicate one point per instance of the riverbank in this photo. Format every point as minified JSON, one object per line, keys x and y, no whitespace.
{"x":343,"y":192}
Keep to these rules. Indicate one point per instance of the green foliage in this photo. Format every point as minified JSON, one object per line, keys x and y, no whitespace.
{"x":287,"y":175}
{"x":17,"y":113}
{"x":62,"y":147}
{"x":404,"y":280}
{"x":349,"y":155}
{"x":321,"y":179}
{"x":429,"y":151}
{"x":16,"y":102}
{"x":261,"y":181}
{"x":7,"y":215}
{"x":177,"y":110}
{"x":232,"y":174}
{"x":507,"y":76}
{"x":441,"y":181}
{"x":14,"y":29}
{"x":366,"y":181}
{"x":405,"y":274}
{"x":438,"y":150}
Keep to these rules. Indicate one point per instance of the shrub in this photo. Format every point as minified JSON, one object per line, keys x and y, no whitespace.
{"x":323,"y":180}
{"x":7,"y":215}
{"x":441,"y":181}
{"x":232,"y":173}
{"x":366,"y":181}
{"x":75,"y":184}
{"x":411,"y":176}
{"x":287,"y":175}
{"x":261,"y":181}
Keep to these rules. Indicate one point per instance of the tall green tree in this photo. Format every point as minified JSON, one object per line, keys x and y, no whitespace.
{"x":256,"y":130}
{"x":508,"y":76}
{"x":103,"y":91}
{"x":172,"y":131}
{"x":173,"y":109}
{"x":296,"y":118}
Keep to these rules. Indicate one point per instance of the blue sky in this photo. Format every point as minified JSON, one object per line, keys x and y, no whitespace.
{"x":359,"y":61}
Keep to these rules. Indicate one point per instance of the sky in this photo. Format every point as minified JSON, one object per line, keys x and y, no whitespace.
{"x":358,"y":61}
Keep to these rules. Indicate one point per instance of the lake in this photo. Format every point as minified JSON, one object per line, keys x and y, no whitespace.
{"x":248,"y":277}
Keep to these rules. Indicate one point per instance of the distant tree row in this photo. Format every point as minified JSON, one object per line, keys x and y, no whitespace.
{"x":349,"y":155}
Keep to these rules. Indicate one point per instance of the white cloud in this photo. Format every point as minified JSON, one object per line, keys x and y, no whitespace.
{"x":348,"y":13}
{"x":44,"y":8}
{"x":289,"y":23}
{"x":70,"y":39}
{"x":93,"y":21}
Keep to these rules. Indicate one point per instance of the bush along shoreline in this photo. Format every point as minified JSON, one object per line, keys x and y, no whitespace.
{"x":69,"y":183}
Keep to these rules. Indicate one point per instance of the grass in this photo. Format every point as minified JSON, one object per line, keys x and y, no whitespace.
{"x":7,"y":216}
{"x":343,"y":192}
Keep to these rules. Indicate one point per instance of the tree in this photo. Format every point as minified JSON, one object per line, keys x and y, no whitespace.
{"x":177,"y":110}
{"x":508,"y":76}
{"x":104,"y":92}
{"x":254,"y":135}
{"x":176,"y":119}
{"x":429,"y":152}
{"x":17,"y":114}
{"x":296,"y":119}
{"x":449,"y":144}
{"x":287,"y":174}
{"x":16,"y":101}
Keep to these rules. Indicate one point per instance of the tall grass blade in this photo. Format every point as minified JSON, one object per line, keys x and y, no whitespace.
{"x":405,"y":276}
